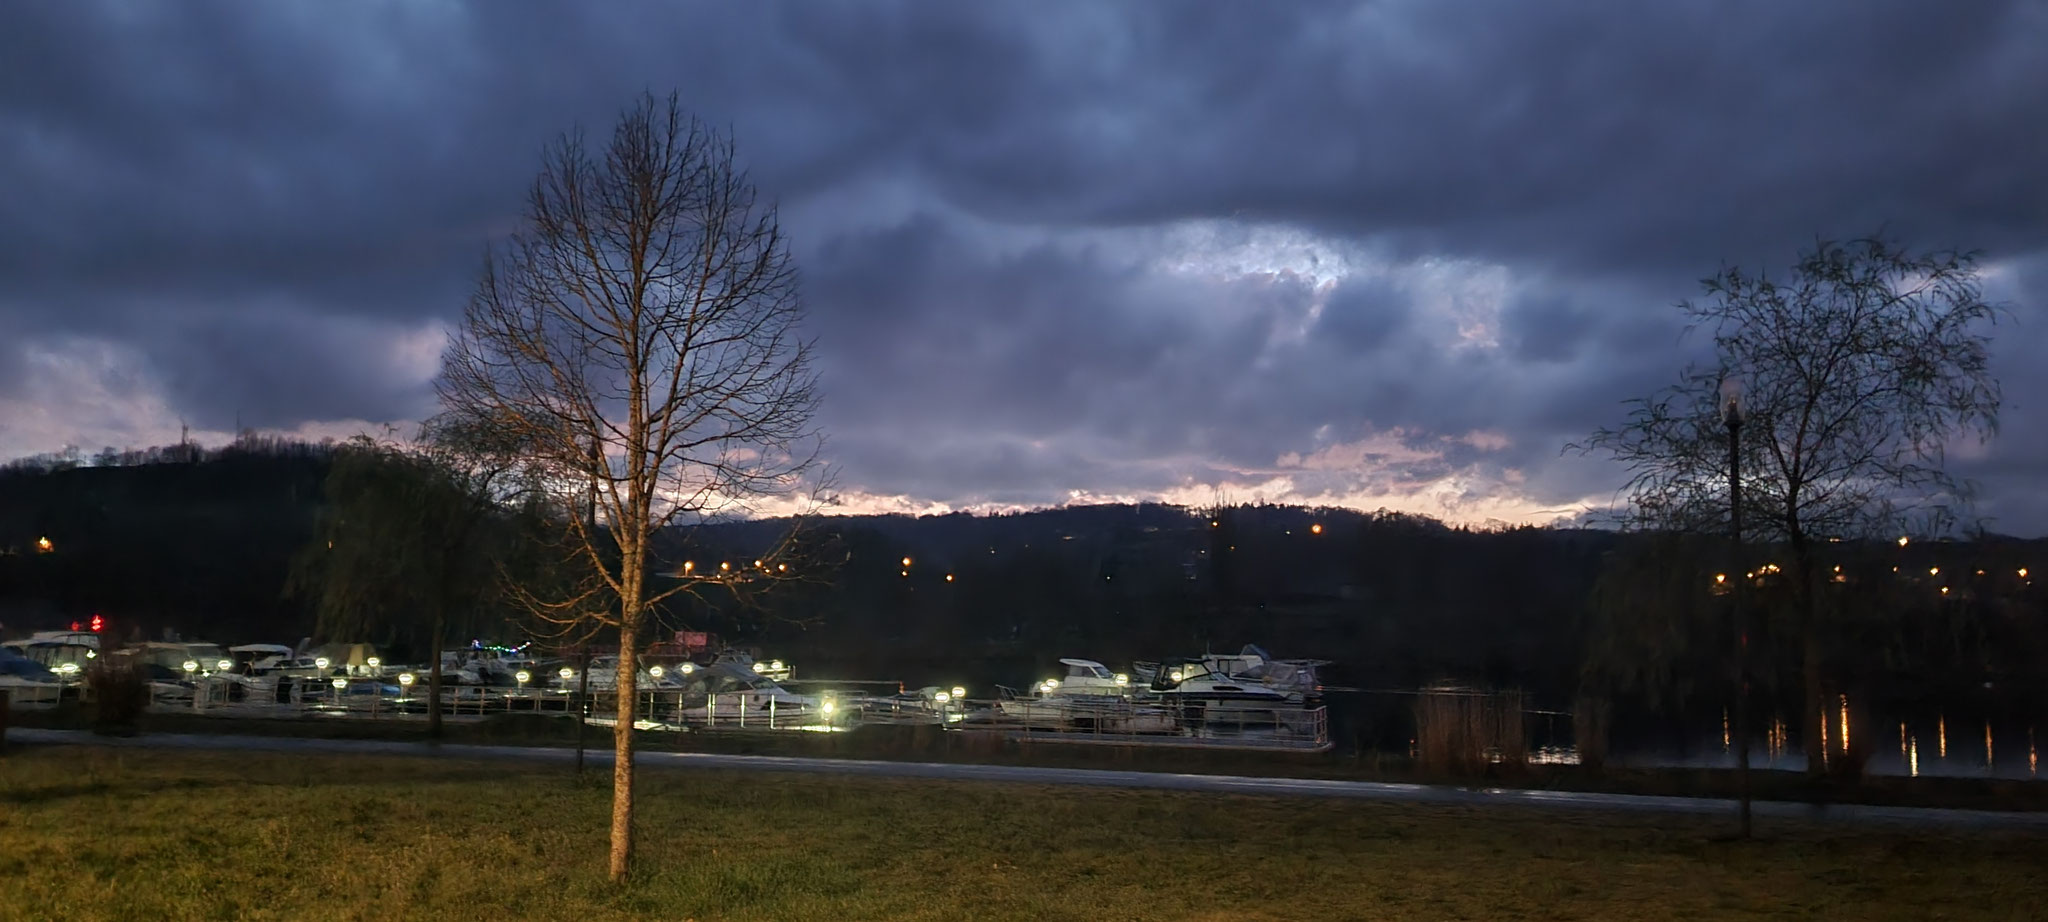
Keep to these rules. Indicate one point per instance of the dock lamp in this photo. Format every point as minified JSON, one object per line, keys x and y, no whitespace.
{"x":376,"y":665}
{"x":339,"y":683}
{"x":322,"y":663}
{"x":689,"y":668}
{"x":566,"y":673}
{"x":656,"y":672}
{"x":942,"y":698}
{"x":191,"y":666}
{"x":523,"y":677}
{"x":959,"y":693}
{"x":405,"y":680}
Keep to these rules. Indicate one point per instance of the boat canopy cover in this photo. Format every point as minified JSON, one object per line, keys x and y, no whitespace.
{"x":278,"y":649}
{"x":15,"y":664}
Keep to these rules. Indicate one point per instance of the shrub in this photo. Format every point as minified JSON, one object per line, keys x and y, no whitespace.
{"x":120,"y":692}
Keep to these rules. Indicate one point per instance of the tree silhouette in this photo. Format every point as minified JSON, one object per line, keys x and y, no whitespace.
{"x":1857,"y":369}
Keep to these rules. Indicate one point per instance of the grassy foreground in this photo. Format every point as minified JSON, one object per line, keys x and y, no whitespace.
{"x":88,"y":833}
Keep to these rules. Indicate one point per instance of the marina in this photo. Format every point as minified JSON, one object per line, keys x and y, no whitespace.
{"x":1194,"y":702}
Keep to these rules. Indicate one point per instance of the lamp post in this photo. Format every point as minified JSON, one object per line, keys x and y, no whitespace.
{"x":1731,"y":415}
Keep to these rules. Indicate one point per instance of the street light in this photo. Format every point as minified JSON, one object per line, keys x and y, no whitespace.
{"x":1731,"y":416}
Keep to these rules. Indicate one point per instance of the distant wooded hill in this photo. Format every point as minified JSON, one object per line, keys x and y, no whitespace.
{"x":200,"y":541}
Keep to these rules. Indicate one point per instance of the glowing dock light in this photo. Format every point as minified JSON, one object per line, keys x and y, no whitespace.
{"x":322,"y":663}
{"x":339,"y":683}
{"x":655,"y":671}
{"x":689,"y":668}
{"x":191,"y":665}
{"x":942,"y":697}
{"x":959,"y":693}
{"x":567,"y":673}
{"x":224,"y":665}
{"x":406,"y":679}
{"x":522,"y":677}
{"x":760,"y":667}
{"x":1122,"y":680}
{"x":775,"y":665}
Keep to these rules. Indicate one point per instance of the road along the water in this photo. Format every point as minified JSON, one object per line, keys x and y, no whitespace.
{"x":1018,"y":774}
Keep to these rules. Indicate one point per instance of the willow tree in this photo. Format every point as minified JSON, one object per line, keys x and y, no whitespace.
{"x":639,"y":338}
{"x":1857,"y":369}
{"x":411,"y":542}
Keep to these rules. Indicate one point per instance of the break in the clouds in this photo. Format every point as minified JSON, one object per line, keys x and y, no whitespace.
{"x":1373,"y":254}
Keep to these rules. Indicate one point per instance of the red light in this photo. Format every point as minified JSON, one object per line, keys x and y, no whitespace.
{"x":97,"y":623}
{"x":76,"y":626}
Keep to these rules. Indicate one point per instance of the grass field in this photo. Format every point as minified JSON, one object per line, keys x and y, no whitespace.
{"x":98,"y":834}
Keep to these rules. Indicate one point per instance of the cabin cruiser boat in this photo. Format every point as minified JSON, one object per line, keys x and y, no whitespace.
{"x":1192,"y":681}
{"x":723,"y":691}
{"x":604,"y":676}
{"x":1089,"y":697}
{"x":26,"y":680}
{"x":1249,"y":666}
{"x":64,"y":653}
{"x":1088,"y":677}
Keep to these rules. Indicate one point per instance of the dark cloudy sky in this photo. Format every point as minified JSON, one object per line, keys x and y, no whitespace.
{"x":1385,"y":253}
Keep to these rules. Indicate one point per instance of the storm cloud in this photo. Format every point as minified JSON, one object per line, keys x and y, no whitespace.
{"x":1377,"y":253}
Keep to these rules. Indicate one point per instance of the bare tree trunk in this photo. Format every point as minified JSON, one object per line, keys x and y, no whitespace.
{"x":1814,"y":734}
{"x":622,"y":734}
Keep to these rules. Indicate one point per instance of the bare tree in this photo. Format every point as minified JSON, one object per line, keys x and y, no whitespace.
{"x":1858,"y":369}
{"x":640,"y":333}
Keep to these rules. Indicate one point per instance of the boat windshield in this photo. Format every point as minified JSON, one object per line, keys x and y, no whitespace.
{"x":1171,"y":674}
{"x":1088,"y":671}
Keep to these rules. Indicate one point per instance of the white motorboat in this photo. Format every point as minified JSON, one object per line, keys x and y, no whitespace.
{"x":65,"y":653}
{"x":1088,"y":677}
{"x":1249,"y":666}
{"x":1191,"y":681}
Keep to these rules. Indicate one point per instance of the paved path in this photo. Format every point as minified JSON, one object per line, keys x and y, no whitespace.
{"x":1016,"y":774}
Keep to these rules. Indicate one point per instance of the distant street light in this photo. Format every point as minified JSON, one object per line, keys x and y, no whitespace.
{"x":1731,"y":416}
{"x":43,"y":546}
{"x":906,"y":561}
{"x":1316,"y":529}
